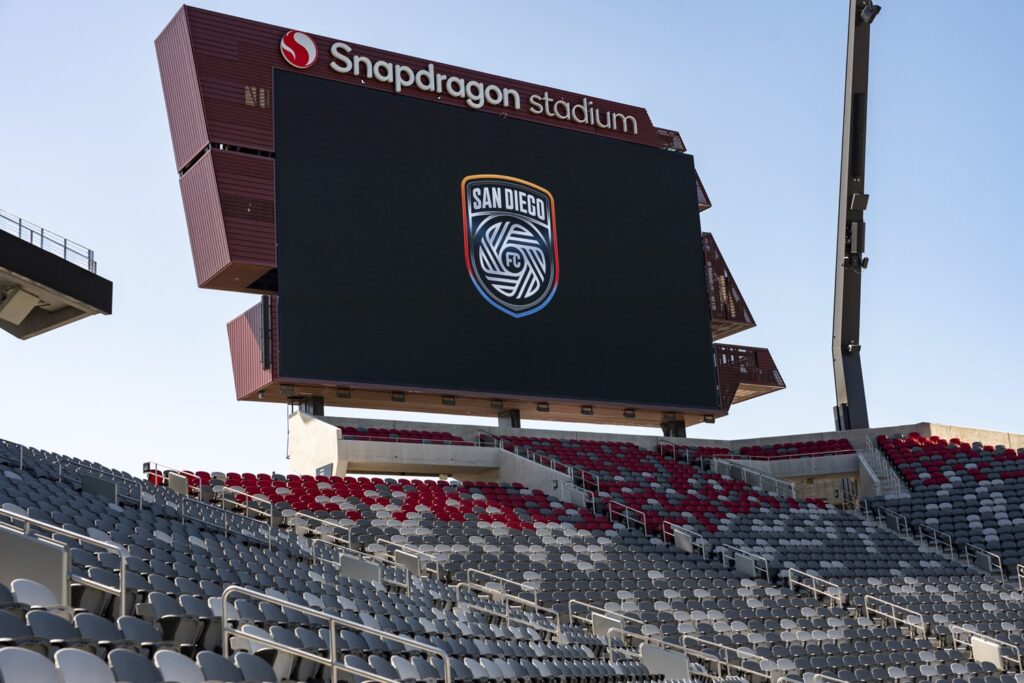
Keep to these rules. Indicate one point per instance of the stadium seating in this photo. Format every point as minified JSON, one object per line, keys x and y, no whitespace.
{"x":654,"y":483}
{"x":183,"y":555}
{"x":973,"y":493}
{"x":402,"y":435}
{"x":800,"y":449}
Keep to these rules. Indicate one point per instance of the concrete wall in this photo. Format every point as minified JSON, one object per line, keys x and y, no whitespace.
{"x":857,"y":436}
{"x":312,"y":444}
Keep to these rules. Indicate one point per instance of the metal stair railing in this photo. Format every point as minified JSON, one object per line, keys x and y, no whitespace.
{"x":507,"y":601}
{"x":890,"y":611}
{"x":818,"y":586}
{"x":727,"y":661}
{"x":626,"y":636}
{"x":1009,"y":653}
{"x":594,"y":609}
{"x":699,"y":542}
{"x":334,"y":623}
{"x":936,"y":540}
{"x":25,"y":528}
{"x":754,"y":477}
{"x":761,"y":565}
{"x":624,"y":514}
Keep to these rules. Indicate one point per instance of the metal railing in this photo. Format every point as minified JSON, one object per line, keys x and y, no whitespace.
{"x":669,"y":530}
{"x":581,"y":477}
{"x":936,"y":540}
{"x":973,"y":553}
{"x":754,"y":477}
{"x":588,"y":620}
{"x":430,"y":563}
{"x":727,"y":660}
{"x":72,"y":252}
{"x":731,"y":552}
{"x":507,"y":601}
{"x":1008,"y":652}
{"x":334,"y":623}
{"x":630,"y":517}
{"x":680,"y":453}
{"x":384,"y":563}
{"x":626,"y":636}
{"x":818,"y":586}
{"x":893,"y":520}
{"x":25,"y":527}
{"x":882,"y":466}
{"x":897,"y":614}
{"x":1020,"y":576}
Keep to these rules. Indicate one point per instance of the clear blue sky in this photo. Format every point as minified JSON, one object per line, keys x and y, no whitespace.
{"x":755,"y":88}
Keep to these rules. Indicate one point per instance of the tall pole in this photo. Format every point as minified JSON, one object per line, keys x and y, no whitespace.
{"x":851,"y":410}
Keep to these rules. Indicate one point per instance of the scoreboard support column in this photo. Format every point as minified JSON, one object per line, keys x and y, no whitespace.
{"x":509,"y":419}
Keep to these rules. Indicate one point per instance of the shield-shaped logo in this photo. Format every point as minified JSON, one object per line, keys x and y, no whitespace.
{"x":511,"y":244}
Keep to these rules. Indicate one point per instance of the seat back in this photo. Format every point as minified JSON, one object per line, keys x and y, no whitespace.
{"x":77,"y":666}
{"x":18,"y":665}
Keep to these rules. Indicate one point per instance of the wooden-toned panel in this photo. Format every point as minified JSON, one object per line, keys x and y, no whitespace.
{"x":729,"y":311}
{"x":245,"y":335}
{"x":181,"y":90}
{"x":205,"y":221}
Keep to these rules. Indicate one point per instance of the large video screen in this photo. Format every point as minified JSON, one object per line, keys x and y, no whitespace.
{"x":425,"y":246}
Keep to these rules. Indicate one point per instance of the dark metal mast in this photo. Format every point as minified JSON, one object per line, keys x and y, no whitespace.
{"x":851,"y":410}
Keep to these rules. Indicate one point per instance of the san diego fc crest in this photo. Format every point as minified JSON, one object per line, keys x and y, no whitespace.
{"x":511,"y":244}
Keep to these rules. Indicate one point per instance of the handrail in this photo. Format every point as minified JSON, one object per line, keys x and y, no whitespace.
{"x":118,"y":478}
{"x":334,"y":623}
{"x":506,"y":600}
{"x":973,"y":552}
{"x":429,"y":557}
{"x":881,"y":460}
{"x":726,"y":666}
{"x":366,"y":557}
{"x":660,"y":643}
{"x":675,"y":449}
{"x":892,"y":517}
{"x":956,"y":630}
{"x":594,"y":609}
{"x":629,"y":514}
{"x":754,"y":477}
{"x":802,"y":579}
{"x":1020,"y":576}
{"x":575,"y":473}
{"x":896,"y":613}
{"x":937,"y":540}
{"x":49,"y":241}
{"x":696,"y":539}
{"x":526,"y":588}
{"x":729,"y":552}
{"x":122,"y":552}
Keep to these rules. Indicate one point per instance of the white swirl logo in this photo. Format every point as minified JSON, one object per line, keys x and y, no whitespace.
{"x":298,"y":49}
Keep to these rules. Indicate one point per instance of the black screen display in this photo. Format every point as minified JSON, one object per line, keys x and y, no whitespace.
{"x":425,"y":246}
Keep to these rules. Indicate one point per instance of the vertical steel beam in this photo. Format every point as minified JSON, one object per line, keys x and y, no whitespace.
{"x":851,"y":410}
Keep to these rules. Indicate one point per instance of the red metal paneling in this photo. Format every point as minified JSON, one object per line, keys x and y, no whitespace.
{"x":232,"y":54}
{"x":245,"y":185}
{"x":205,"y":219}
{"x":729,"y":311}
{"x":181,"y":90}
{"x":245,"y":339}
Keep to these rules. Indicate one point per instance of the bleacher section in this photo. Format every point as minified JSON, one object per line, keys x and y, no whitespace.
{"x":501,"y":582}
{"x":967,"y":497}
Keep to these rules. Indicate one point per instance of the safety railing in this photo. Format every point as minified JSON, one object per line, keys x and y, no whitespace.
{"x":616,"y":634}
{"x":810,"y":678}
{"x":983,"y":559}
{"x":581,"y":477}
{"x":893,"y":520}
{"x":754,"y":477}
{"x":936,"y":540}
{"x":429,"y":563}
{"x":1009,"y":654}
{"x":821,"y":588}
{"x":765,"y":457}
{"x":161,"y":472}
{"x":422,"y":441}
{"x":1020,"y":576}
{"x":760,"y":564}
{"x":508,"y":606}
{"x":25,"y":524}
{"x":724,"y":660}
{"x":897,"y":614}
{"x":697,"y":541}
{"x":403,"y":582}
{"x":72,"y":252}
{"x":334,"y":624}
{"x":677,"y":452}
{"x":587,"y":617}
{"x":630,"y":517}
{"x":883,"y":468}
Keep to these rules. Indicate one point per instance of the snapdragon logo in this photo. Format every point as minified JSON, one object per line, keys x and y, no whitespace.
{"x":298,"y":49}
